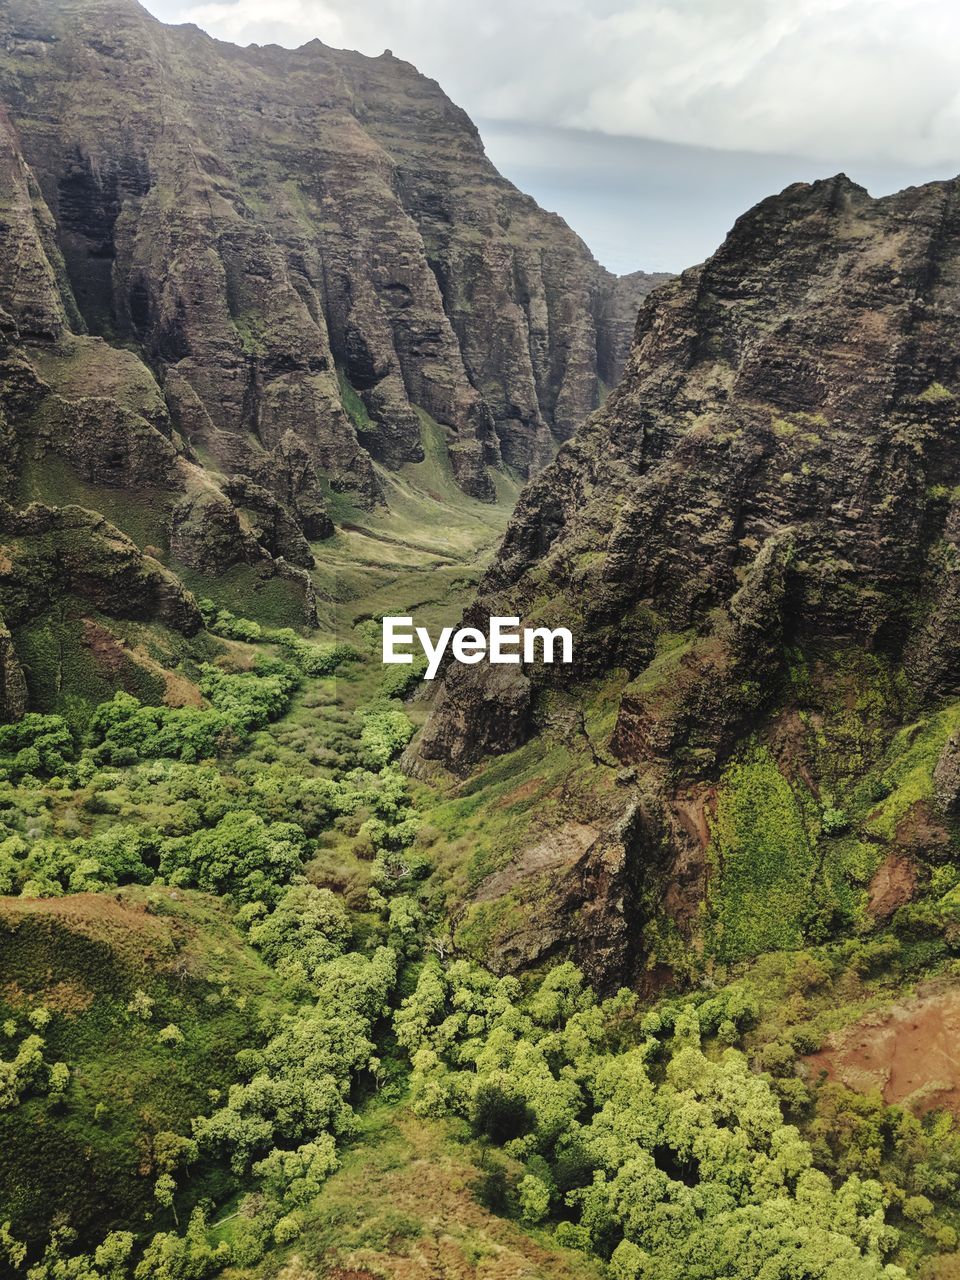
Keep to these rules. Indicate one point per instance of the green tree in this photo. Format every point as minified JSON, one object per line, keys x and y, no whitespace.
{"x":534,"y":1197}
{"x":307,"y":927}
{"x":242,"y":856}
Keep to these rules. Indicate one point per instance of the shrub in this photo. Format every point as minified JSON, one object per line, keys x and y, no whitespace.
{"x":399,"y":681}
{"x":223,"y":623}
{"x":534,"y":1197}
{"x":385,"y":730}
{"x":125,"y":731}
{"x":47,"y":868}
{"x":141,"y":1005}
{"x":313,"y":659}
{"x":250,"y":699}
{"x":833,"y":822}
{"x":308,"y":926}
{"x":288,"y":1228}
{"x":242,"y":856}
{"x":688,"y":1159}
{"x":37,"y":744}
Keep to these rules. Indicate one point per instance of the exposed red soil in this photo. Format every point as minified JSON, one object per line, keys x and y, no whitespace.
{"x":695,"y":810}
{"x":108,"y":652}
{"x":922,"y":830}
{"x":893,"y":884}
{"x":523,"y":792}
{"x":910,"y":1053}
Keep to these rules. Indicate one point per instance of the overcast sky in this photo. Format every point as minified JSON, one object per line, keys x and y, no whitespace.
{"x":650,"y":124}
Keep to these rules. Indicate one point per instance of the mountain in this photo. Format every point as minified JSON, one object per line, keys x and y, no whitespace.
{"x":273,"y":332}
{"x":241,"y":290}
{"x":277,"y":347}
{"x":270,"y":263}
{"x":755,"y":545}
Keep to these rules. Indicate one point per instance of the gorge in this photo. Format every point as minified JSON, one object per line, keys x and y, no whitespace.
{"x":314,"y":966}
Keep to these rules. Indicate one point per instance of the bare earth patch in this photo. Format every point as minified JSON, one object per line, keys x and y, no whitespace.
{"x":893,"y":884}
{"x":910,"y":1053}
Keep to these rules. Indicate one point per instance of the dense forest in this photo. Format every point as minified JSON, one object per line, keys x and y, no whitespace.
{"x":226,"y":950}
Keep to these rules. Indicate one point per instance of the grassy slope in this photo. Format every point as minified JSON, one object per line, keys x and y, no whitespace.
{"x":83,"y":957}
{"x":422,"y":554}
{"x":405,"y":1204}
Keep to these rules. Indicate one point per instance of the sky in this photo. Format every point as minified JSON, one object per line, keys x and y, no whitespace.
{"x":650,"y":125}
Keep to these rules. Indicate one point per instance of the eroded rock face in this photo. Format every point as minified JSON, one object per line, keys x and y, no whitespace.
{"x":498,"y":709}
{"x":774,"y":480}
{"x":946,"y":778}
{"x":620,"y":320}
{"x":787,"y":418}
{"x":32,"y":303}
{"x":13,"y":684}
{"x":263,"y":224}
{"x":586,"y":901}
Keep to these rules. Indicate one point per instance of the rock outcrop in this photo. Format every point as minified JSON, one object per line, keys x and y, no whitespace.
{"x":774,"y":482}
{"x":787,"y":419}
{"x":300,"y":243}
{"x":13,"y":684}
{"x":50,"y":554}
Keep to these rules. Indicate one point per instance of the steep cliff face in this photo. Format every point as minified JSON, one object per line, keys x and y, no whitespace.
{"x":284,"y":233}
{"x":773,"y":483}
{"x":238,"y":284}
{"x":792,"y":401}
{"x":81,"y":418}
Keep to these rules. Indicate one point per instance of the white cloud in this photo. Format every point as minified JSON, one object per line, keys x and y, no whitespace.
{"x":289,"y":22}
{"x":823,"y":78}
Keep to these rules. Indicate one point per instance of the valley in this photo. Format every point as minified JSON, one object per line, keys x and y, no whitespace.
{"x":644,"y":967}
{"x":178,"y":1013}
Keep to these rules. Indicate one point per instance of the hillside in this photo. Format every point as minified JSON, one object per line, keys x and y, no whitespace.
{"x":302,"y":247}
{"x":242,"y":294}
{"x":310,"y":970}
{"x":753,"y":543}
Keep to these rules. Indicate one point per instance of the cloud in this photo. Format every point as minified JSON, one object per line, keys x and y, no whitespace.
{"x":660,"y":205}
{"x":873,"y":78}
{"x":288,"y":22}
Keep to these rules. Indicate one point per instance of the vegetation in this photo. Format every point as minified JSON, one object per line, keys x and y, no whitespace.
{"x":244,"y":983}
{"x":663,"y":1160}
{"x":765,"y":861}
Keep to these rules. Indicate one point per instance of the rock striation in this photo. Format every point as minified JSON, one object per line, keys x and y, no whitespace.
{"x":778,"y":462}
{"x":776,"y":474}
{"x":304,"y":247}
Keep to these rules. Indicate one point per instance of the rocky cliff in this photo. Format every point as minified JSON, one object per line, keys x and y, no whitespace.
{"x":303,"y":247}
{"x":768,"y":500}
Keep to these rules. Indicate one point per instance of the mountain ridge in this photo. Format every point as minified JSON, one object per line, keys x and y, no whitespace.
{"x":332,"y":247}
{"x":763,"y":513}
